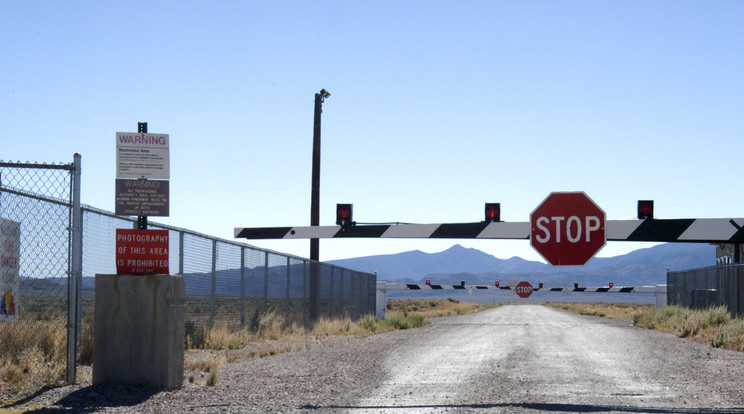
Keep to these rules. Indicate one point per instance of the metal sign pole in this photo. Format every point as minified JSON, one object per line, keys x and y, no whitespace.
{"x":142,"y":220}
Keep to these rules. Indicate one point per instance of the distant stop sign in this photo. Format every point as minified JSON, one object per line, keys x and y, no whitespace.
{"x":524,"y":289}
{"x":567,"y":229}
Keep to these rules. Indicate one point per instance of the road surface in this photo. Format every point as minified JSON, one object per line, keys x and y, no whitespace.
{"x":536,"y":359}
{"x":511,"y":359}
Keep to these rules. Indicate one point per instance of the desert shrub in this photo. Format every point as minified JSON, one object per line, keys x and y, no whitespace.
{"x":405,"y":322}
{"x":683,"y":322}
{"x":194,"y":335}
{"x":729,"y":336}
{"x":368,"y":323}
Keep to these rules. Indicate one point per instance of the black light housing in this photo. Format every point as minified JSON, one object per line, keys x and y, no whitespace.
{"x":576,"y":285}
{"x":645,"y":209}
{"x":497,"y":283}
{"x":612,"y":284}
{"x":428,"y":282}
{"x":344,"y":216}
{"x":540,"y":286}
{"x":462,"y":283}
{"x":493,"y":212}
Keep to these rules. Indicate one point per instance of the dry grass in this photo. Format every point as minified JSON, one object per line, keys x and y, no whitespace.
{"x":222,"y":344}
{"x":605,"y":310}
{"x":713,"y":326}
{"x":433,"y":308}
{"x":40,"y":359}
{"x":205,"y":368}
{"x":270,"y":336}
{"x":36,"y":358}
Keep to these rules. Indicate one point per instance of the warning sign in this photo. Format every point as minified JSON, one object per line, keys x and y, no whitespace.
{"x":141,"y":197}
{"x":141,"y":252}
{"x":142,"y":155}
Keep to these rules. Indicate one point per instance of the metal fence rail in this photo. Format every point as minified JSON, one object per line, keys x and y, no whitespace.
{"x":63,"y":245}
{"x":706,"y":287}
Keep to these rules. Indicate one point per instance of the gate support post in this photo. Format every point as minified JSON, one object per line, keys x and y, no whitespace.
{"x":661,"y":295}
{"x":381,"y":306}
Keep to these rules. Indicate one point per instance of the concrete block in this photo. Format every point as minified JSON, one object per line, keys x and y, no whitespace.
{"x":139,"y":330}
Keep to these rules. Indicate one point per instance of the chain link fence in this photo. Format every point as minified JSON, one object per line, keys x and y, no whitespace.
{"x":229,"y":283}
{"x":36,"y":318}
{"x":709,"y":286}
{"x":63,"y":245}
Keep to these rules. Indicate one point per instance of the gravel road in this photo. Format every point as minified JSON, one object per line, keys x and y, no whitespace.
{"x":512,"y":359}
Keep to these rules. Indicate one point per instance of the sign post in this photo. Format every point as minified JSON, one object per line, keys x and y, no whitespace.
{"x":142,"y":190}
{"x":567,"y":228}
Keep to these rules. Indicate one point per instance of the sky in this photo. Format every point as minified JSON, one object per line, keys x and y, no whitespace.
{"x":436,"y":108}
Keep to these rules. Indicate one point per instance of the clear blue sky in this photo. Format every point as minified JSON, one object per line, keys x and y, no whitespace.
{"x":436,"y":108}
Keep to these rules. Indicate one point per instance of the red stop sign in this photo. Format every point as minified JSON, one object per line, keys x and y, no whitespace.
{"x":524,"y":289}
{"x":567,"y":229}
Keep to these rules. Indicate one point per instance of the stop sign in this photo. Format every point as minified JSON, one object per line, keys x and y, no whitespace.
{"x":567,"y":229}
{"x":524,"y":289}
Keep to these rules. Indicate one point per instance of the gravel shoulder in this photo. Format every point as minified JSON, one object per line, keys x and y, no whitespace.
{"x":342,"y":374}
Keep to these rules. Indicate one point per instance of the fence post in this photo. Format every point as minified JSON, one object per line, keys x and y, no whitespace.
{"x":180,"y":252}
{"x":304,"y":294}
{"x":737,"y":274}
{"x":354,"y":298}
{"x":380,"y":300}
{"x":266,"y":282}
{"x":214,"y":283}
{"x":331,"y":309}
{"x":372,"y":286}
{"x":76,"y":274}
{"x":341,"y":290}
{"x":242,"y":286}
{"x":287,"y":322}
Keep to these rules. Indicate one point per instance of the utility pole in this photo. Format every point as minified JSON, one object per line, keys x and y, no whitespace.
{"x":315,"y":209}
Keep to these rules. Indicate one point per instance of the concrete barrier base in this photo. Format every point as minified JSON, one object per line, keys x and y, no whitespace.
{"x":139,"y":330}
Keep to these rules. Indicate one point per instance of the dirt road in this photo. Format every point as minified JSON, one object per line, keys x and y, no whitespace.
{"x":512,"y":359}
{"x":535,"y":359}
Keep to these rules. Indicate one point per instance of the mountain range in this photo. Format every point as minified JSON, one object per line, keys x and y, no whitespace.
{"x":640,"y":267}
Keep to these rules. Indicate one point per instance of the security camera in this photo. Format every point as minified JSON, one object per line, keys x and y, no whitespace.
{"x":324,"y":93}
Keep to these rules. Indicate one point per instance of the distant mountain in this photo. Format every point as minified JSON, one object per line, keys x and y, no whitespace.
{"x":417,"y":264}
{"x":643,"y":266}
